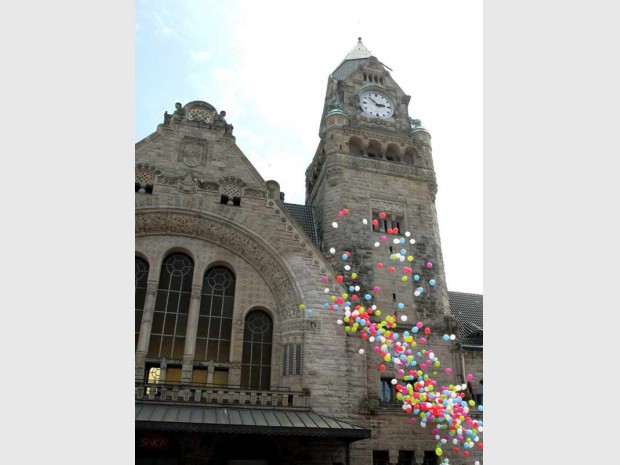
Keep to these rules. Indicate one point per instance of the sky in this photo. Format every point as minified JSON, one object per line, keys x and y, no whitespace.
{"x":267,"y":64}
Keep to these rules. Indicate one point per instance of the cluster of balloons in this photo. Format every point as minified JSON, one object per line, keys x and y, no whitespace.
{"x":446,"y":408}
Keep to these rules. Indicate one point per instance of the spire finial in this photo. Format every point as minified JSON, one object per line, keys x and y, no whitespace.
{"x":359,"y":39}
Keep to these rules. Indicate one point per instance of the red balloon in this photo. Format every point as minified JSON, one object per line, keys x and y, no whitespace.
{"x":375,"y":222}
{"x":382,"y":215}
{"x":339,"y":279}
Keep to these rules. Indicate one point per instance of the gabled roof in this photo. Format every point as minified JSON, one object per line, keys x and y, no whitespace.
{"x":468,"y":310}
{"x":305,"y":216}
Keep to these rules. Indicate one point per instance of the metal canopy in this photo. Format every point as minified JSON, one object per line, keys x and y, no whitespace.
{"x":244,"y":421}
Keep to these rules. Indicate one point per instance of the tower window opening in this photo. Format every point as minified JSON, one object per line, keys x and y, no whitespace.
{"x":137,"y":187}
{"x":149,"y":189}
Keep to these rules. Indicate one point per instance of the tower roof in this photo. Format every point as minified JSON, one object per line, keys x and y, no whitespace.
{"x":359,"y":51}
{"x":354,"y":58}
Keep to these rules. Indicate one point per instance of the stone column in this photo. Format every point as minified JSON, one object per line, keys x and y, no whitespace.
{"x":145,"y":327}
{"x":190,"y":336}
{"x":418,"y":457}
{"x":393,"y":457}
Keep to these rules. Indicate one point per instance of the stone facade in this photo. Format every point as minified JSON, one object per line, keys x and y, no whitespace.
{"x":197,"y":194}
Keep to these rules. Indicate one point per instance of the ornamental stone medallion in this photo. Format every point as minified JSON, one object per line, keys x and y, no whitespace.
{"x":193,"y":152}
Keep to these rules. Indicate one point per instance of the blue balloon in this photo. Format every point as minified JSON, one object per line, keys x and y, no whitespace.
{"x":401,"y":305}
{"x":416,"y":277}
{"x":344,"y":256}
{"x":368,"y":297}
{"x":432,"y":282}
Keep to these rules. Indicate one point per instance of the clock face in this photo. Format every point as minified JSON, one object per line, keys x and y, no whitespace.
{"x":376,"y":104}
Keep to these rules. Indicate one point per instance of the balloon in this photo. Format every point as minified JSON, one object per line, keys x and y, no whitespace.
{"x":365,"y":221}
{"x":301,"y":306}
{"x":382,"y":215}
{"x":432,"y":282}
{"x":334,"y":224}
{"x":429,"y":265}
{"x":332,"y":250}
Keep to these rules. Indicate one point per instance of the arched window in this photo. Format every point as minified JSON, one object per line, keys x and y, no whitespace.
{"x":142,"y":275}
{"x":256,"y":361}
{"x":409,"y":156}
{"x":374,"y":149}
{"x":171,"y":307}
{"x":356,"y":146}
{"x":216,"y":312}
{"x":392,"y":153}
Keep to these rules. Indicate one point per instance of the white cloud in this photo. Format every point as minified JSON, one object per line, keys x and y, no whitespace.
{"x":200,"y":56}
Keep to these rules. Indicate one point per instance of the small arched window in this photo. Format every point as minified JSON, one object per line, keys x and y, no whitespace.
{"x":409,"y":156}
{"x":356,"y":146}
{"x":216,"y":312}
{"x":171,"y":307}
{"x":256,"y":360}
{"x":374,"y":149}
{"x":142,"y":275}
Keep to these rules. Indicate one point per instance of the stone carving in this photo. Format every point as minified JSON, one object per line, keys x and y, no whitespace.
{"x":178,"y":114}
{"x":208,"y":186}
{"x":415,"y":123}
{"x":385,"y":206}
{"x":237,"y":241}
{"x":188,"y":185}
{"x":382,"y":166}
{"x":311,"y":325}
{"x":193,"y":152}
{"x":249,"y":192}
{"x":220,"y":121}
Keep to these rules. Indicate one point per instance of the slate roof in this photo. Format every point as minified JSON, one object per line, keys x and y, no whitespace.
{"x":174,"y":417}
{"x":305,"y":216}
{"x":468,"y":310}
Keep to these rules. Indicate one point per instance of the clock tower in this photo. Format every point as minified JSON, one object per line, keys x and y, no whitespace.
{"x":375,"y":160}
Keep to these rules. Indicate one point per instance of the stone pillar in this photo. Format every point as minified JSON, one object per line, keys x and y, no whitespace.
{"x":418,"y":457}
{"x":393,"y":457}
{"x":145,"y":327}
{"x":190,"y":336}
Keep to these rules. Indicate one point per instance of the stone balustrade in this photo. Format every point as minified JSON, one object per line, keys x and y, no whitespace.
{"x":222,"y":395}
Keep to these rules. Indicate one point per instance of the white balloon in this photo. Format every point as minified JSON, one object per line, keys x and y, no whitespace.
{"x":334,"y":224}
{"x":403,"y":317}
{"x":347,"y":267}
{"x":412,"y":241}
{"x":361,"y":351}
{"x":377,"y":244}
{"x":365,"y":221}
{"x":332,"y":250}
{"x":407,"y":234}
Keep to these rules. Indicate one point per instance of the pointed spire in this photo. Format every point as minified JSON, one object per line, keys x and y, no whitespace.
{"x":359,"y":51}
